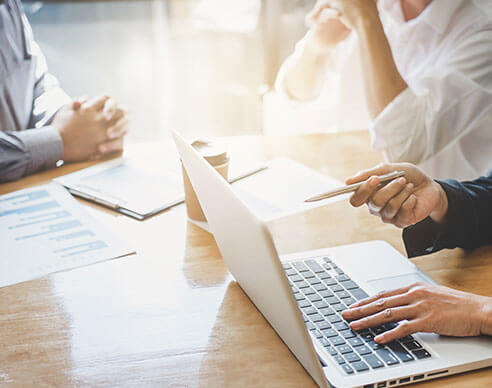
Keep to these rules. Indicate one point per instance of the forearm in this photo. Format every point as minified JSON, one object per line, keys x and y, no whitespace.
{"x":25,"y":152}
{"x":486,"y":327}
{"x":305,"y":74}
{"x":382,"y":80}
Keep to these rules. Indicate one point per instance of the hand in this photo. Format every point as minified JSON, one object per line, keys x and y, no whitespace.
{"x":404,"y":201}
{"x":425,"y":308}
{"x":349,"y":12}
{"x":89,"y":129}
{"x":326,"y":29}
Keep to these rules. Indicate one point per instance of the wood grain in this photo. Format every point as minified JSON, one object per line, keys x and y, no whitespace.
{"x":172,"y":316}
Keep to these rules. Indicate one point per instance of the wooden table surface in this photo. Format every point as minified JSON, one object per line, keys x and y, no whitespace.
{"x":172,"y":315}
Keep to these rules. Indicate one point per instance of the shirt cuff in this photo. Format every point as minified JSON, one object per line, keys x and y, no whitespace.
{"x":44,"y":145}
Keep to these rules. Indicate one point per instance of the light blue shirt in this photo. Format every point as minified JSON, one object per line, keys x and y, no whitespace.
{"x":29,"y":99}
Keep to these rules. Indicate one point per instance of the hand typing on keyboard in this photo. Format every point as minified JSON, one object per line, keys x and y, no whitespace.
{"x":425,"y":308}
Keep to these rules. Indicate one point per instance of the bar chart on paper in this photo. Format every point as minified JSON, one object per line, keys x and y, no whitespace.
{"x":45,"y":230}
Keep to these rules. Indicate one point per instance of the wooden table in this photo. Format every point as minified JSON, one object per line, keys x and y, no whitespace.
{"x":171,"y":315}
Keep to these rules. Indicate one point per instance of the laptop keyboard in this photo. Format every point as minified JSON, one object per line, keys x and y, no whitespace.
{"x":322,"y":291}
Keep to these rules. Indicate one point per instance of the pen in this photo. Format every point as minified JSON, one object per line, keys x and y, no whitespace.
{"x":347,"y":189}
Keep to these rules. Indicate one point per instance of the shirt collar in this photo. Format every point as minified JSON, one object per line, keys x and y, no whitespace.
{"x":437,"y":14}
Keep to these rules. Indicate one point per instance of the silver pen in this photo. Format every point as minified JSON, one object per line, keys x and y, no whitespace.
{"x":349,"y":188}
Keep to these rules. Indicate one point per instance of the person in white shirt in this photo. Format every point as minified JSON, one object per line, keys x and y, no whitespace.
{"x":426,"y":70}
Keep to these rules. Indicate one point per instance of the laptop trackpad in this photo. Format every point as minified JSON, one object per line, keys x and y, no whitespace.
{"x":392,"y":282}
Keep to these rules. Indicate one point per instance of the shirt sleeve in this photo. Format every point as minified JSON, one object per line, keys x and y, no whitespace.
{"x":449,"y":102}
{"x":25,"y":152}
{"x":334,"y":62}
{"x":48,"y":96}
{"x":468,"y":220}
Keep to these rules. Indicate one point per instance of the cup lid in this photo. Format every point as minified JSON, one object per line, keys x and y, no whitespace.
{"x":214,"y":153}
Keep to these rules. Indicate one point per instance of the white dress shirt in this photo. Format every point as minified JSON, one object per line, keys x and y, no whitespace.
{"x":443,"y":120}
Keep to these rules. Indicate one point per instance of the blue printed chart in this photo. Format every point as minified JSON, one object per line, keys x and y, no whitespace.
{"x":44,"y":230}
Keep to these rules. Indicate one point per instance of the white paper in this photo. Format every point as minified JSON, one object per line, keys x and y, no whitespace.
{"x":122,"y":183}
{"x":45,"y":230}
{"x":281,"y":189}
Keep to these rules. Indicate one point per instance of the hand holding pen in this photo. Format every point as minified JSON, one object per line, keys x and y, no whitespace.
{"x":405,"y":200}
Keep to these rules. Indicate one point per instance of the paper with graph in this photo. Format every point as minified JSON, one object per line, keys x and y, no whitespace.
{"x":44,"y":230}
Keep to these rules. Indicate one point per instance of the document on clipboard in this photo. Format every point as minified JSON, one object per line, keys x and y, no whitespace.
{"x":125,"y":187}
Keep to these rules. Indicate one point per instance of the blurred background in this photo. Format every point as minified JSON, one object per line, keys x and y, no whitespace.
{"x":200,"y":66}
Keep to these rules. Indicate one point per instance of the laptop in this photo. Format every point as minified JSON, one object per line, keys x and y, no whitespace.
{"x":301,"y":295}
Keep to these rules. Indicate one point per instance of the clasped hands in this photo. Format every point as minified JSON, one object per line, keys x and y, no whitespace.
{"x":91,"y":129}
{"x":419,"y":307}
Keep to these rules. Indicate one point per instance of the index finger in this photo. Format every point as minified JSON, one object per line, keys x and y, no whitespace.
{"x":366,"y":174}
{"x":97,"y":103}
{"x":318,"y":10}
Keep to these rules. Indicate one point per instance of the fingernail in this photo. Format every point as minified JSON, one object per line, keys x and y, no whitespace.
{"x":402,"y":181}
{"x":373,"y":181}
{"x":354,"y":325}
{"x":378,"y":338}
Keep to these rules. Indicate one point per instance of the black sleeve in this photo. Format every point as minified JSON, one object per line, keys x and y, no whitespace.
{"x":468,"y":222}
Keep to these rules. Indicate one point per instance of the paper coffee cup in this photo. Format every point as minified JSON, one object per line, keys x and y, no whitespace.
{"x":216,"y":155}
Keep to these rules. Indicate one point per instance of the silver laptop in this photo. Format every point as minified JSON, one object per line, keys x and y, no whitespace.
{"x":301,"y":295}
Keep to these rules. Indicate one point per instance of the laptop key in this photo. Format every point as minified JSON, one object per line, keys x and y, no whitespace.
{"x":362,"y":350}
{"x":323,"y":325}
{"x":373,"y":361}
{"x":349,"y":301}
{"x":324,"y":275}
{"x":339,"y":307}
{"x":290,"y":271}
{"x":373,"y":345}
{"x":347,"y":369}
{"x":330,"y":281}
{"x":315,"y":267}
{"x":317,"y":334}
{"x":302,"y":285}
{"x":299,"y":296}
{"x":296,"y":278}
{"x":343,"y":294}
{"x":332,"y":300}
{"x":314,"y":297}
{"x":324,"y":342}
{"x":327,"y":311}
{"x":326,"y":293}
{"x":360,"y":366}
{"x":321,"y":305}
{"x":308,"y":275}
{"x":310,"y":326}
{"x":300,"y":266}
{"x":314,"y":281}
{"x":339,"y":359}
{"x":316,"y":318}
{"x":308,"y":291}
{"x":337,"y":341}
{"x":359,"y":293}
{"x":319,"y":287}
{"x":387,"y":357}
{"x":286,"y":265}
{"x":342,"y":278}
{"x":303,"y":303}
{"x":309,"y":310}
{"x":400,"y":352}
{"x":333,"y":319}
{"x":412,"y":345}
{"x":331,"y":350}
{"x":344,"y":349}
{"x":330,"y":333}
{"x":422,"y":353}
{"x":352,"y":357}
{"x":350,"y":285}
{"x":356,"y":341}
{"x":339,"y":271}
{"x":336,"y":287}
{"x":341,"y":326}
{"x":347,"y":334}
{"x":327,"y":259}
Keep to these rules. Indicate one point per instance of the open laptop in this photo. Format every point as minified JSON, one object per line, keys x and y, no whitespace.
{"x":302,"y":294}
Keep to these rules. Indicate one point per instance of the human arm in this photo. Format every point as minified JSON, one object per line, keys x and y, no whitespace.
{"x":302,"y":76}
{"x":423,"y":308}
{"x":435,"y":214}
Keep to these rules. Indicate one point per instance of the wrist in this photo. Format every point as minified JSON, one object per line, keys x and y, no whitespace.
{"x":486,"y":316}
{"x":367,"y":19}
{"x":438,"y":215}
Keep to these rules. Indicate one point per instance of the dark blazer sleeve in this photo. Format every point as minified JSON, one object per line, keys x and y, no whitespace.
{"x":468,"y":222}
